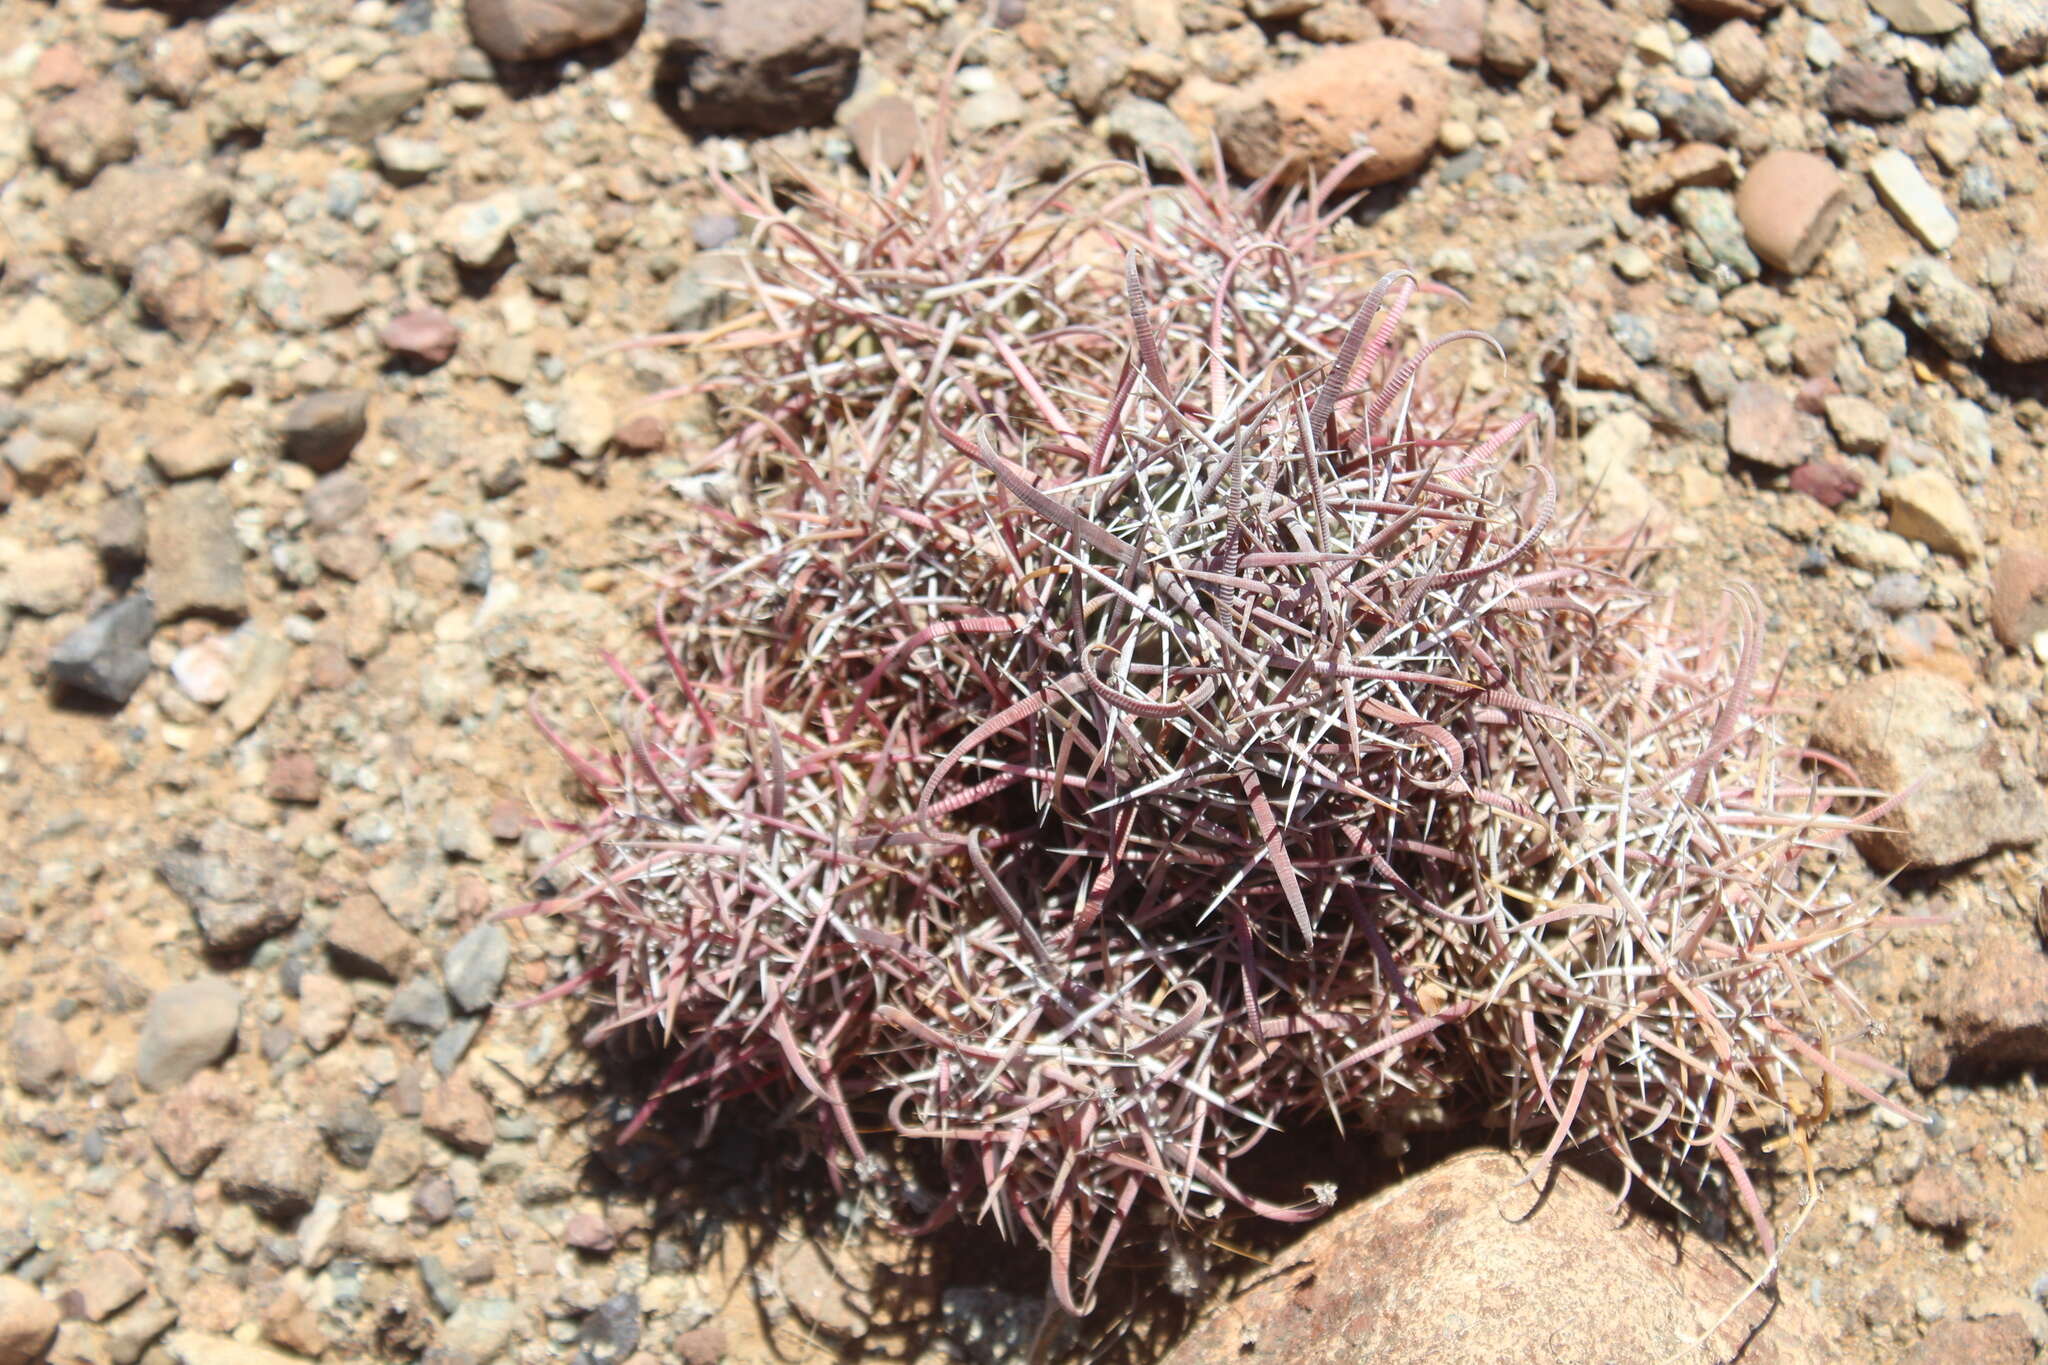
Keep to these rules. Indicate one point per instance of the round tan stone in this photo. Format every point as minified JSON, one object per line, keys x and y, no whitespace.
{"x":1789,"y":204}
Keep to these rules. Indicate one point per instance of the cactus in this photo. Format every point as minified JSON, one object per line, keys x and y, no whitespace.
{"x":1132,"y":703}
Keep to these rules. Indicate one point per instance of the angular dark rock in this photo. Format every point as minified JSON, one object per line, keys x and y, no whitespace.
{"x":236,"y":882}
{"x":611,"y":1332}
{"x":322,"y":428}
{"x":1867,"y":93}
{"x":107,"y":656}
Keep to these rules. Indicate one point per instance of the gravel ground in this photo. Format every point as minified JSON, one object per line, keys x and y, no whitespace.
{"x":300,"y":324}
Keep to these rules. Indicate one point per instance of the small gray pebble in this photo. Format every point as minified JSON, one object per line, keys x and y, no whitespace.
{"x":420,"y":1005}
{"x":475,"y":967}
{"x":1979,"y":187}
{"x":1636,"y":335}
{"x":714,"y":230}
{"x":1895,"y":594}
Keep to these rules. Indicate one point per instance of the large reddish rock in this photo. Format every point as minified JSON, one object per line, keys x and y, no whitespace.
{"x":1919,"y":733}
{"x":1465,"y":1264}
{"x":535,"y":30}
{"x":758,"y":66}
{"x":1387,"y":94}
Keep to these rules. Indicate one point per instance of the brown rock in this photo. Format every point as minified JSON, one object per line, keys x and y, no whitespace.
{"x":1826,"y":482}
{"x":1765,"y":426}
{"x":1867,"y":93}
{"x":1968,"y":794}
{"x":369,"y":102}
{"x":2019,"y":326}
{"x":40,"y":1054}
{"x":1587,"y":43}
{"x":1937,"y":1199}
{"x":2019,"y":595}
{"x":885,"y":131}
{"x":190,"y":452}
{"x":325,"y":1009}
{"x":588,"y":1232}
{"x":507,"y":820}
{"x":237,"y":883}
{"x":1465,"y":1264}
{"x":28,"y":1322}
{"x":1741,"y":60}
{"x":1590,"y":157}
{"x":1999,"y":1340}
{"x":1512,"y":40}
{"x":426,"y":337}
{"x":535,"y":30}
{"x":289,"y":1323}
{"x":294,"y":776}
{"x":642,"y":435}
{"x":108,"y":1282}
{"x":194,"y":1123}
{"x":1992,"y":1012}
{"x":1338,"y":21}
{"x":825,"y":1287}
{"x":178,"y":284}
{"x":705,"y":1345}
{"x":1452,"y":27}
{"x":276,"y":1168}
{"x":120,"y":531}
{"x":179,"y":64}
{"x":353,"y":555}
{"x":60,"y":67}
{"x":457,"y":1113}
{"x":1386,"y":94}
{"x":127,"y":208}
{"x":87,"y":130}
{"x":764,"y":66}
{"x":1732,"y":9}
{"x":365,"y":939}
{"x":1789,"y":204}
{"x":321,"y":429}
{"x":1926,"y":506}
{"x":195,"y":556}
{"x":1687,"y":165}
{"x":1922,"y":641}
